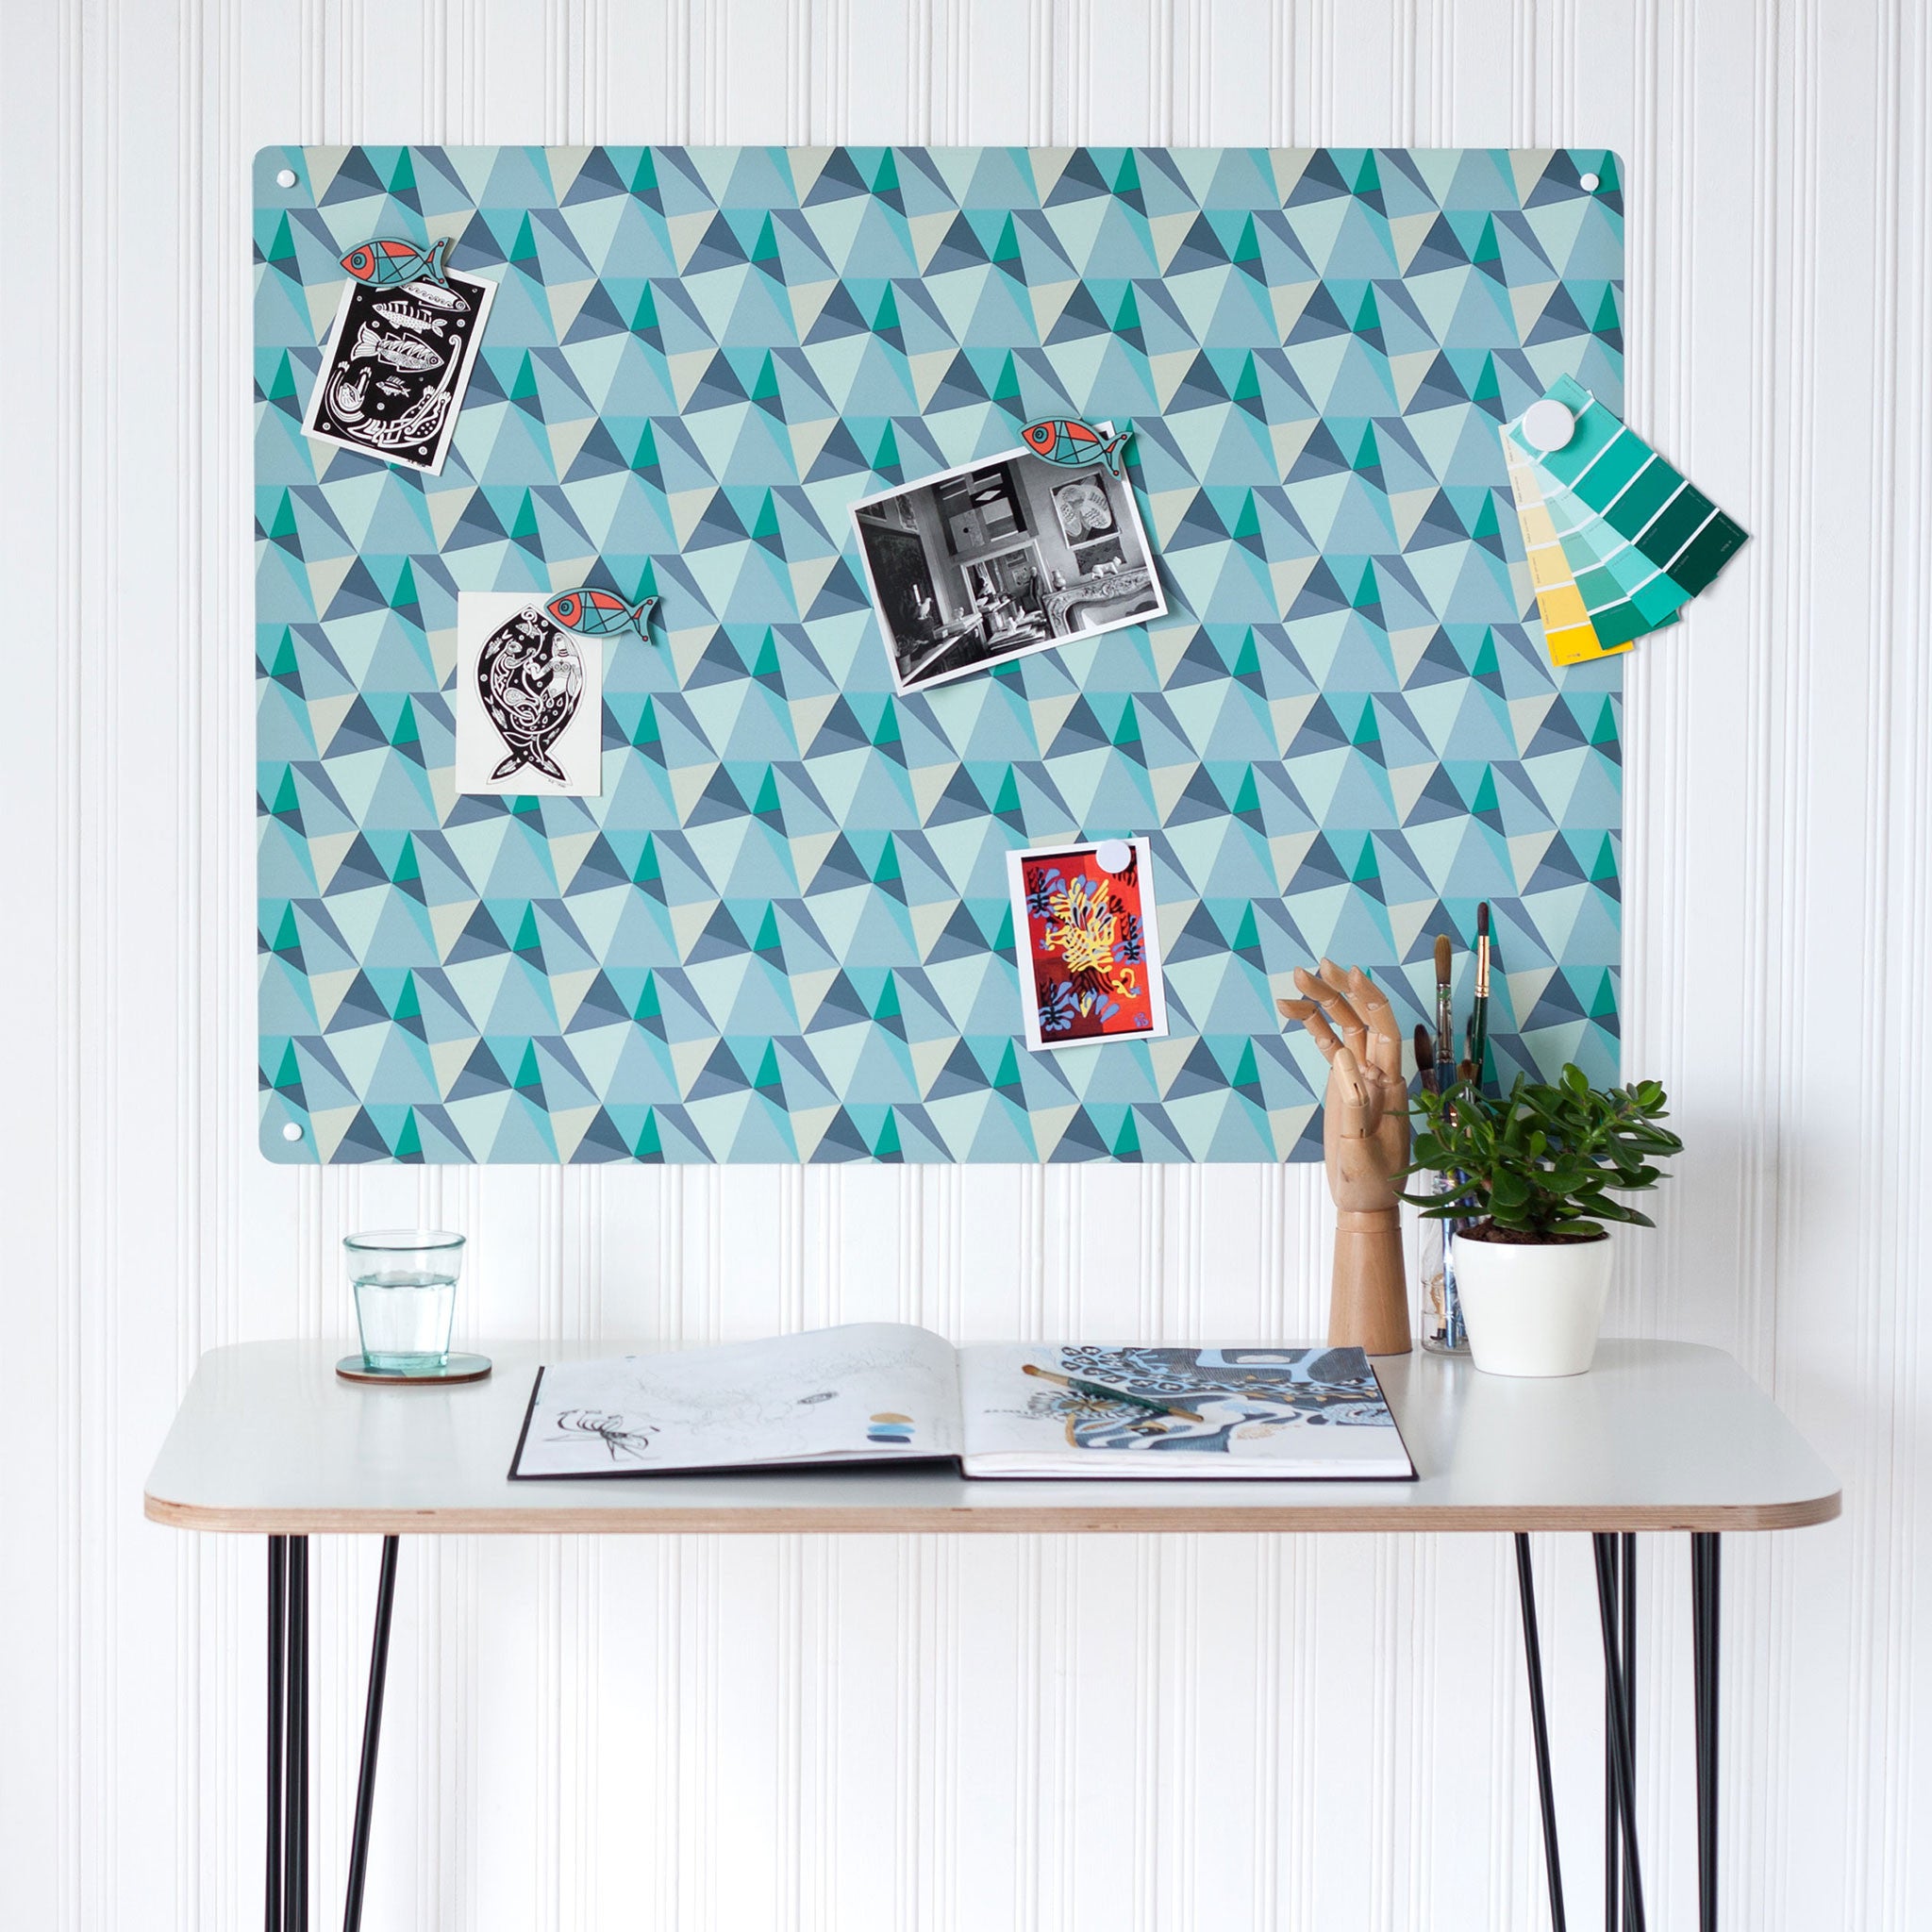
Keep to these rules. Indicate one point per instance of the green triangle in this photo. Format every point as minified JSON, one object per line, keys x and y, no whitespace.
{"x":1129,"y":314}
{"x":1245,"y":935}
{"x":1247,"y":523}
{"x":1005,"y":252}
{"x":1368,"y":316}
{"x":766,"y":523}
{"x":410,"y":1142}
{"x":286,"y":799}
{"x":1605,"y":1002}
{"x":1009,"y":1075}
{"x":767,"y":665}
{"x":1486,"y":248}
{"x":283,"y":389}
{"x":1605,"y":866}
{"x":1002,"y":940}
{"x":888,"y":1007}
{"x":1127,"y":178}
{"x":1249,"y":247}
{"x":529,"y":939}
{"x":524,"y":388}
{"x":649,"y":1006}
{"x":525,"y":249}
{"x":766,"y":799}
{"x":767,"y":940}
{"x":769,"y":1075}
{"x":1486,"y":522}
{"x":1488,"y":388}
{"x":1606,"y":317}
{"x":285,"y":664}
{"x":1247,"y":387}
{"x":888,"y":316}
{"x":1605,"y":732}
{"x":282,"y":248}
{"x":528,"y":1073}
{"x":886,"y":179}
{"x":1247,"y":796}
{"x":290,"y":1073}
{"x":887,"y":867}
{"x":764,"y":255}
{"x":649,"y":1146}
{"x":645,"y":179}
{"x":406,"y":867}
{"x":288,"y":933}
{"x":1245,"y":1071}
{"x":647,"y":731}
{"x":407,"y":731}
{"x":1367,"y":181}
{"x":1008,"y":799}
{"x":1365,"y":867}
{"x":1485,"y":799}
{"x":1367,"y":731}
{"x":1487,"y":663}
{"x":887,"y":730}
{"x":284,"y":525}
{"x":648,"y":868}
{"x":1368,"y":457}
{"x":644,"y":318}
{"x":887,"y":457}
{"x":403,"y":180}
{"x":409,"y":1002}
{"x":887,"y":1147}
{"x":1367,"y":596}
{"x":1128,"y":730}
{"x":1127,"y":1141}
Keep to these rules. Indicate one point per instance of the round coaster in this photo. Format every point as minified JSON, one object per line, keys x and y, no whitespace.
{"x":459,"y":1367}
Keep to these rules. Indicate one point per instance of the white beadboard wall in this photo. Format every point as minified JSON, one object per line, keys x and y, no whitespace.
{"x":957,"y":1737}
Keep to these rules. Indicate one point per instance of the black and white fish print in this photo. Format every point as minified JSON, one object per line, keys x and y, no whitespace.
{"x":530,"y":677}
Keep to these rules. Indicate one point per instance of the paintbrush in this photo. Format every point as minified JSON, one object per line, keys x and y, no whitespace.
{"x":1445,"y":1003}
{"x":1077,"y":1385}
{"x":1480,"y":1021}
{"x":1426,"y":1058}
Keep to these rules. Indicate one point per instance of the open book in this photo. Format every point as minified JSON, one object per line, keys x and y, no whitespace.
{"x":881,"y":1392}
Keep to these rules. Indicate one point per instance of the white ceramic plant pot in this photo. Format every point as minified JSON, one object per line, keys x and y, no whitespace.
{"x":1533,"y":1308}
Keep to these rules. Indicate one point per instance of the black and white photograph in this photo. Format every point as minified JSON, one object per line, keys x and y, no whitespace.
{"x":529,"y":701}
{"x":398,"y":363}
{"x":999,"y":558}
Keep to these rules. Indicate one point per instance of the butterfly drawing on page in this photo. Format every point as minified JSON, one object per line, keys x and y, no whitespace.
{"x":530,"y":677}
{"x":387,"y":264}
{"x":593,"y":613}
{"x":1070,"y":442}
{"x":612,"y":1430}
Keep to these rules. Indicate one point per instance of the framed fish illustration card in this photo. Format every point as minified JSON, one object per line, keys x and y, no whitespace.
{"x":529,"y":700}
{"x":396,"y":365}
{"x":1090,"y":944}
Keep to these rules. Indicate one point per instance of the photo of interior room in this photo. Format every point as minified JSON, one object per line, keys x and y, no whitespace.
{"x":988,"y":562}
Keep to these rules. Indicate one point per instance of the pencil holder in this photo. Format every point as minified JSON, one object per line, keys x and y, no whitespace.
{"x":1442,"y":1328}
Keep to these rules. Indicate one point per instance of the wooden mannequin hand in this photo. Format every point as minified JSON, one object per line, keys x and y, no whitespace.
{"x":1365,"y":1143}
{"x":1365,"y":1124}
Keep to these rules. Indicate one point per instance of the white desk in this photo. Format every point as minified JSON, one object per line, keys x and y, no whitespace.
{"x":1658,"y":1436}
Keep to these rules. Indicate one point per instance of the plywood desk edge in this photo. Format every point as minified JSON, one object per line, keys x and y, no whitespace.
{"x":1098,"y":1518}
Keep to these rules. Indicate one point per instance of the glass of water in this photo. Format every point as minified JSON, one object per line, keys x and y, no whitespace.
{"x":406,"y":1297}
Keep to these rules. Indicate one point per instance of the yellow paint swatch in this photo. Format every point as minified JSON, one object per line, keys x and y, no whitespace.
{"x":1566,"y":630}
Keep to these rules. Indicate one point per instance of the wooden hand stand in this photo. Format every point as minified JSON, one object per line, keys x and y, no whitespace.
{"x":1365,"y":1143}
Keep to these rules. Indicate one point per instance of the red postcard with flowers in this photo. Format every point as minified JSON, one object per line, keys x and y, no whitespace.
{"x":1089,"y":949}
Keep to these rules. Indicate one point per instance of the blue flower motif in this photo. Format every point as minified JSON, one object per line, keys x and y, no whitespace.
{"x":1056,"y":1007}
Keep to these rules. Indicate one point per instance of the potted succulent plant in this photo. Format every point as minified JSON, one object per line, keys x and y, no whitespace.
{"x":1530,"y":1179}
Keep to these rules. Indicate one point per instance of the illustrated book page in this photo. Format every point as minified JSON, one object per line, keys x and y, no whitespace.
{"x":872,"y":1391}
{"x":1258,"y":1411}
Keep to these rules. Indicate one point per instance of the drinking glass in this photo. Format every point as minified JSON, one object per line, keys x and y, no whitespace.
{"x":404,"y":1280}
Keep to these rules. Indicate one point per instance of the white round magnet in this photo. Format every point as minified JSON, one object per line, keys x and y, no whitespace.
{"x":290,"y":1131}
{"x":1113,"y":855}
{"x":1547,"y":424}
{"x":1589,"y":183}
{"x":286,"y":178}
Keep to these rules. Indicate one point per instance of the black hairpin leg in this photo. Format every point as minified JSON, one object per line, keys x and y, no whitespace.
{"x":1704,"y":1621}
{"x":1617,"y":1606}
{"x":277,"y":1679}
{"x":371,"y":1736}
{"x":1540,"y":1726}
{"x":286,"y":1889}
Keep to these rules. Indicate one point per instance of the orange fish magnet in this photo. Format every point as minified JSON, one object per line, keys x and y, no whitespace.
{"x":1070,"y":442}
{"x":389,"y":264}
{"x":597,"y":613}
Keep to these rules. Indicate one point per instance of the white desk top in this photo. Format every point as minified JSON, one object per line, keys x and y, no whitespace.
{"x":1660,"y":1435}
